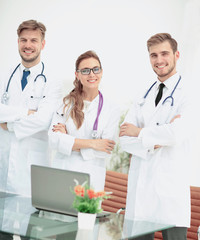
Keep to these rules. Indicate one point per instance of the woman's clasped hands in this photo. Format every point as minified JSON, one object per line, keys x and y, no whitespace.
{"x":60,"y":127}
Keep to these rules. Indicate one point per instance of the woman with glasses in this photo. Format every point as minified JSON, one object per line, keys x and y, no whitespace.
{"x":83,"y":128}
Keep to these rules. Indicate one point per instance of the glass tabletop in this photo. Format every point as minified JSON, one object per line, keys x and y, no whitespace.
{"x":19,"y":217}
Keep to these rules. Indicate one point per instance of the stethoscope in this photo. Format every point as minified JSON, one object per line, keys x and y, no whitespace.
{"x":170,"y":97}
{"x":95,"y":126}
{"x":5,"y":96}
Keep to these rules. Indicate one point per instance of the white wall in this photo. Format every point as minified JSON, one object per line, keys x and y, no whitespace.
{"x":117,"y":30}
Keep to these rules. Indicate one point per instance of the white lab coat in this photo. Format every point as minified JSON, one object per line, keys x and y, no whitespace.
{"x":26,"y":142}
{"x":158,"y":188}
{"x":87,"y":160}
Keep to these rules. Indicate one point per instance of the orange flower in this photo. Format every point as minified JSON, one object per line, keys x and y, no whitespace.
{"x":79,"y":190}
{"x":91,"y":193}
{"x":100,"y":194}
{"x":86,"y":199}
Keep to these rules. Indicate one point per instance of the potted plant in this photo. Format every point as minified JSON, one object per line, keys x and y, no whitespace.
{"x":88,"y":203}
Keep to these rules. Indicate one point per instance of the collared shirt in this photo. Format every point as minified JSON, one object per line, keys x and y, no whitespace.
{"x":34,"y":71}
{"x":169,"y":84}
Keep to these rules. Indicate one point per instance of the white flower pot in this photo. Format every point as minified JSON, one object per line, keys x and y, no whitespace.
{"x":86,"y":220}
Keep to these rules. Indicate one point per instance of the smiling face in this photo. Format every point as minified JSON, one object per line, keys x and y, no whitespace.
{"x":163,"y":60}
{"x":90,"y":82}
{"x":30,"y":44}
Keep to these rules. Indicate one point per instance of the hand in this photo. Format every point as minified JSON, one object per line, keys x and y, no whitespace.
{"x":60,"y":127}
{"x":31,"y":111}
{"x":157,"y":146}
{"x":128,"y":129}
{"x":177,"y":116}
{"x":4,"y":126}
{"x":104,"y":145}
{"x":77,"y":150}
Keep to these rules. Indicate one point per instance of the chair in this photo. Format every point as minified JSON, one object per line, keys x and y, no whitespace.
{"x":195,"y":215}
{"x":117,"y":184}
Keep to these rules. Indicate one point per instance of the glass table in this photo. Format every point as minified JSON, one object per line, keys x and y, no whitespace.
{"x":19,"y":218}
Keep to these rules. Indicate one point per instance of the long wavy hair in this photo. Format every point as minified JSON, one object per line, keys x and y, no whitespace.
{"x":75,"y":98}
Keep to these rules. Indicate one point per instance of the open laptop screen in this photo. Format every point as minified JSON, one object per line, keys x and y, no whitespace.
{"x":51,"y":188}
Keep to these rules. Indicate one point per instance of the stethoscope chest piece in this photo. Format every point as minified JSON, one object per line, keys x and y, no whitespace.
{"x":141,"y":102}
{"x":94,"y":134}
{"x":5,"y":98}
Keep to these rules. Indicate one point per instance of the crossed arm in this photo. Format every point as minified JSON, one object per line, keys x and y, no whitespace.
{"x":129,"y":129}
{"x":104,"y":145}
{"x":4,"y":126}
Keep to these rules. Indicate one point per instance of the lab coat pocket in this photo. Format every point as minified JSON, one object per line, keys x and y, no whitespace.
{"x":33,"y":103}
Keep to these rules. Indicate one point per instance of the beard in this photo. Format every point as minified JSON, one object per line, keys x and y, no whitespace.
{"x":165,"y":74}
{"x":170,"y":70}
{"x":29,"y":60}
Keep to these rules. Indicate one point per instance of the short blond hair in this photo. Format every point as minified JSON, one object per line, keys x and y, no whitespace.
{"x":32,"y":25}
{"x":160,"y":38}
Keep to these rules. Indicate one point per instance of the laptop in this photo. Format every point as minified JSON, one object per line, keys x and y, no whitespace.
{"x":51,"y":189}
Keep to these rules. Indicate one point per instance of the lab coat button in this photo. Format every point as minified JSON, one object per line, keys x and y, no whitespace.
{"x":157,"y":123}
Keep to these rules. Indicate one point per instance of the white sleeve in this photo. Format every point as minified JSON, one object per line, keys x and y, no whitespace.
{"x":61,"y":142}
{"x":9,"y":113}
{"x":39,"y":121}
{"x":109,"y":132}
{"x":134,"y":145}
{"x":168,"y":134}
{"x":12,"y":113}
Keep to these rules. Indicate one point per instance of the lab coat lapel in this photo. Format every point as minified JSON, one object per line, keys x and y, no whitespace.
{"x":148,"y":109}
{"x":159,"y":113}
{"x":28,"y":88}
{"x":90,"y":115}
{"x":94,"y":104}
{"x":17,"y":80}
{"x":15,"y":88}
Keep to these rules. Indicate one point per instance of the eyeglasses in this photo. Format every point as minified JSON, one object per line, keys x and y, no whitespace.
{"x":87,"y":71}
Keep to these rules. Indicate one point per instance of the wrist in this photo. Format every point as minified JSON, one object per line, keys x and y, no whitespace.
{"x":10,"y":126}
{"x":138,"y":131}
{"x":91,"y":143}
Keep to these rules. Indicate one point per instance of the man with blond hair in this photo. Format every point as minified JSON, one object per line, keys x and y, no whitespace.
{"x":156,"y":133}
{"x":28,"y":99}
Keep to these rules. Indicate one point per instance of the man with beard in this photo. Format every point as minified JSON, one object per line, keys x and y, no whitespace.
{"x":156,"y":133}
{"x":28,"y":99}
